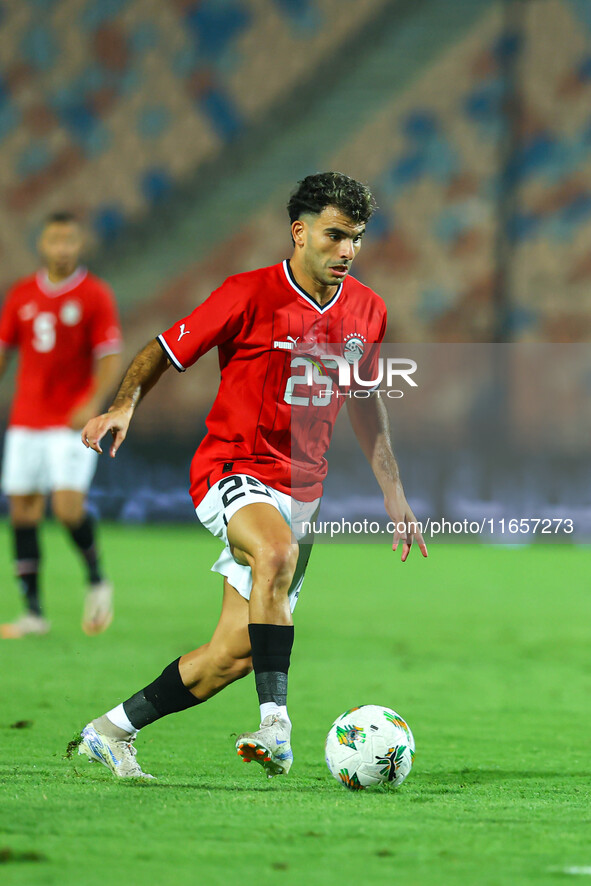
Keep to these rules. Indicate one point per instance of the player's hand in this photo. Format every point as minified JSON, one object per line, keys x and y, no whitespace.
{"x":82,"y":415}
{"x":406,"y":527}
{"x":117,"y":422}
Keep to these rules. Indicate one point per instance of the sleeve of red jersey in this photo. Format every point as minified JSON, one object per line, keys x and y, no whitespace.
{"x":105,"y":334}
{"x":9,"y":322}
{"x":217,"y":320}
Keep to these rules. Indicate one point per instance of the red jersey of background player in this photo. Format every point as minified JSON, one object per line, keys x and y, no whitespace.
{"x":267,"y":419}
{"x":60,"y":330}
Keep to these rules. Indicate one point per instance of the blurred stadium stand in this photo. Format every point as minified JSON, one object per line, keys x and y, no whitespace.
{"x":176,"y":130}
{"x":106,"y":105}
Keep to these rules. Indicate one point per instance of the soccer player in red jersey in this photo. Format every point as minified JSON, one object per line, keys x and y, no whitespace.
{"x":257,"y":473}
{"x":63,"y":321}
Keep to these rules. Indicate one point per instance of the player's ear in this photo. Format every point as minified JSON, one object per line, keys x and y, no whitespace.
{"x":298,"y":228}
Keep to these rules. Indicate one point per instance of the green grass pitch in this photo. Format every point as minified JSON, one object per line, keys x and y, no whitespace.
{"x":485,"y":651}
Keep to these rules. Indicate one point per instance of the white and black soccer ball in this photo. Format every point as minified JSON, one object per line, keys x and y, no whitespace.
{"x":369,"y":745}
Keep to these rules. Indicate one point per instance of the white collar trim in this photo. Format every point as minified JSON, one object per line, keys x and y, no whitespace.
{"x":52,"y":289}
{"x":304,"y":294}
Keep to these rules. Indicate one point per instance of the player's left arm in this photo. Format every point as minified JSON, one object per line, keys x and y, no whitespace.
{"x":104,"y":331}
{"x":369,"y":420}
{"x":4,"y":358}
{"x":106,"y":374}
{"x":8,"y":331}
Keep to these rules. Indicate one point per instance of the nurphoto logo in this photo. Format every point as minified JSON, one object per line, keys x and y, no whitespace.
{"x":348,"y":382}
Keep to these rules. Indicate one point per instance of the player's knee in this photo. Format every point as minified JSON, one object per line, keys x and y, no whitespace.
{"x":68,"y":516}
{"x":63,"y":517}
{"x":277,"y":562}
{"x":25,"y":511}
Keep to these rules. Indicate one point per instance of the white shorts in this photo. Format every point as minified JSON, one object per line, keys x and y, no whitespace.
{"x":46,"y":460}
{"x":234,"y":492}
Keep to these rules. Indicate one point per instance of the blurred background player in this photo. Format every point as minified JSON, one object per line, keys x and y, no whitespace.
{"x":64,"y":323}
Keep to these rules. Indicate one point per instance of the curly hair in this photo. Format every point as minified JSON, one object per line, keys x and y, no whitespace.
{"x":315,"y":192}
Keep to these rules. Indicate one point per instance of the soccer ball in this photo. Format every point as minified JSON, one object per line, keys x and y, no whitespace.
{"x":369,"y":745}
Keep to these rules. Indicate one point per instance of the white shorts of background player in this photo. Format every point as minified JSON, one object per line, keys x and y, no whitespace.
{"x":46,"y":460}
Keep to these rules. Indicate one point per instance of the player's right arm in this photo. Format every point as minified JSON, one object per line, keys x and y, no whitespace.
{"x":143,"y":373}
{"x":217,"y":319}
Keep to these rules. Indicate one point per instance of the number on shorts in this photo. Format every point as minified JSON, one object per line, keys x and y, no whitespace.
{"x":257,"y":487}
{"x":235,"y":483}
{"x":44,"y":332}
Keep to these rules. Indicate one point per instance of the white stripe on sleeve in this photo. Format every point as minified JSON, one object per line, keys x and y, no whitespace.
{"x":176,"y":363}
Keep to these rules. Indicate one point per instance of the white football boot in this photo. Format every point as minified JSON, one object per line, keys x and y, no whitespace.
{"x":98,"y":608}
{"x":28,"y":624}
{"x":118,"y":756}
{"x":270,"y":746}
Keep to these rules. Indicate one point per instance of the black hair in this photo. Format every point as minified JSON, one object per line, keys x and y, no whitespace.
{"x":315,"y":192}
{"x":60,"y":218}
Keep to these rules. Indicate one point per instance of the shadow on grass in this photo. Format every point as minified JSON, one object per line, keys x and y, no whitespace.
{"x":421,"y":786}
{"x":263,"y":787}
{"x":12,"y":856}
{"x":426,"y":784}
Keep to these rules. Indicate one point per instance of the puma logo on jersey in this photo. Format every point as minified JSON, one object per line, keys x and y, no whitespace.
{"x":288,"y":345}
{"x":28,"y":311}
{"x":182,"y":332}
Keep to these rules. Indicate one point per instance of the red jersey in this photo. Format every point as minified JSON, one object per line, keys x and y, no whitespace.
{"x":276,"y":404}
{"x":60,"y":330}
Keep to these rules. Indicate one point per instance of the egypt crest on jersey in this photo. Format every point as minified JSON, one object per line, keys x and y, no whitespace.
{"x":272,"y":338}
{"x":353,"y":347}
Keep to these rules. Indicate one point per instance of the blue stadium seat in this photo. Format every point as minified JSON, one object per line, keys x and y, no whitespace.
{"x":39,"y":48}
{"x":108,"y":222}
{"x":215,"y":24}
{"x":96,"y":14}
{"x":33,"y":159}
{"x":222,"y":112}
{"x":156,"y":184}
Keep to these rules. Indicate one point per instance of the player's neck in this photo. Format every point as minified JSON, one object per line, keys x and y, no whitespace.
{"x":56,"y":276}
{"x":318,"y":291}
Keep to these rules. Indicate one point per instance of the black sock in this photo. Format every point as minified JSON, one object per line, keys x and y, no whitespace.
{"x":26,"y":565}
{"x":166,"y":695}
{"x":271,"y":650}
{"x":83,"y":538}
